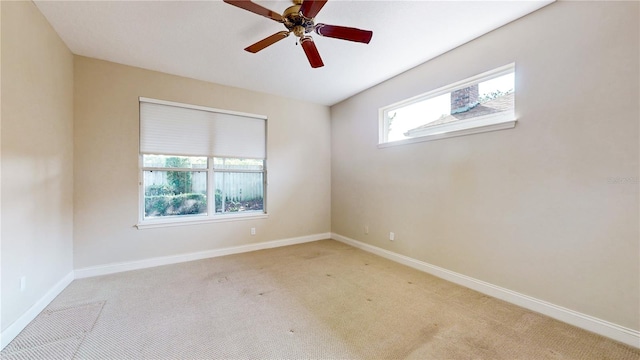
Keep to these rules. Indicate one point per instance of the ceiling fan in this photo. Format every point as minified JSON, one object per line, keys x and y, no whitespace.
{"x":299,"y":20}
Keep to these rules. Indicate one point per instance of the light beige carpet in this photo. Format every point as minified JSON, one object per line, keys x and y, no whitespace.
{"x":318,"y":300}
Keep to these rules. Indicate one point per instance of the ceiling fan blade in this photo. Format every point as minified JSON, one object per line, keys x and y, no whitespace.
{"x":256,"y":9}
{"x":267,"y":42}
{"x":311,"y":51}
{"x":311,"y":8}
{"x":344,"y":33}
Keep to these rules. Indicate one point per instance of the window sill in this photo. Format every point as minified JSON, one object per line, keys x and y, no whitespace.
{"x":159,"y":223}
{"x":452,"y":130}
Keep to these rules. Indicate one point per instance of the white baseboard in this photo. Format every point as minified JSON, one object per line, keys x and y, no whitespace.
{"x":14,"y":329}
{"x":613,"y":331}
{"x":602,"y":327}
{"x":174,"y":259}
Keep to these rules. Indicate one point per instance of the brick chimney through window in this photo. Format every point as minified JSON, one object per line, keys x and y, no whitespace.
{"x":464,"y":99}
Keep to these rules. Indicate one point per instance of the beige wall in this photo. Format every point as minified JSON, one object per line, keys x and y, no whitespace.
{"x":37,"y":159}
{"x":529,"y":209}
{"x":106,"y":165}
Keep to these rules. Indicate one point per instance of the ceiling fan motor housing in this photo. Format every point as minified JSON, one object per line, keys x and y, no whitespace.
{"x":295,"y":22}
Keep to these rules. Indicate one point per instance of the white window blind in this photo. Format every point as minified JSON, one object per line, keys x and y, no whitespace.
{"x":177,"y":129}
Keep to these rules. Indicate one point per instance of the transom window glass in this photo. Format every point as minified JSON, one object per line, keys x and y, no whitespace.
{"x":188,"y":167}
{"x":485,"y":102}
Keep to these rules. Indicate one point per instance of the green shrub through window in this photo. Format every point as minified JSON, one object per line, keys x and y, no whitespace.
{"x":178,"y":185}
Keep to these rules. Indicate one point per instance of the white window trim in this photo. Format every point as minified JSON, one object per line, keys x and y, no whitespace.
{"x":196,"y":219}
{"x":211,"y":216}
{"x":475,"y":125}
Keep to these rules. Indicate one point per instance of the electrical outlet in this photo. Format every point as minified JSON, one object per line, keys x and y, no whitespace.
{"x":392,"y":236}
{"x":253,"y":231}
{"x":366,"y":229}
{"x":23,"y":283}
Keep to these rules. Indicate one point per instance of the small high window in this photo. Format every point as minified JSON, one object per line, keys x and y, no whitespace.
{"x":484,"y":102}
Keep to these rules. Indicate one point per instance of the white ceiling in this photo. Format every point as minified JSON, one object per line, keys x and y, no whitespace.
{"x":205,"y":40}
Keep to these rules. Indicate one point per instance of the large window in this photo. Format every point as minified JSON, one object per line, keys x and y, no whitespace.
{"x":484,"y":102}
{"x":199,"y":164}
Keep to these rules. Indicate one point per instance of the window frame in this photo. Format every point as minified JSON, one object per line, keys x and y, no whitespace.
{"x":491,"y":122}
{"x":211,"y":182}
{"x":211,"y":216}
